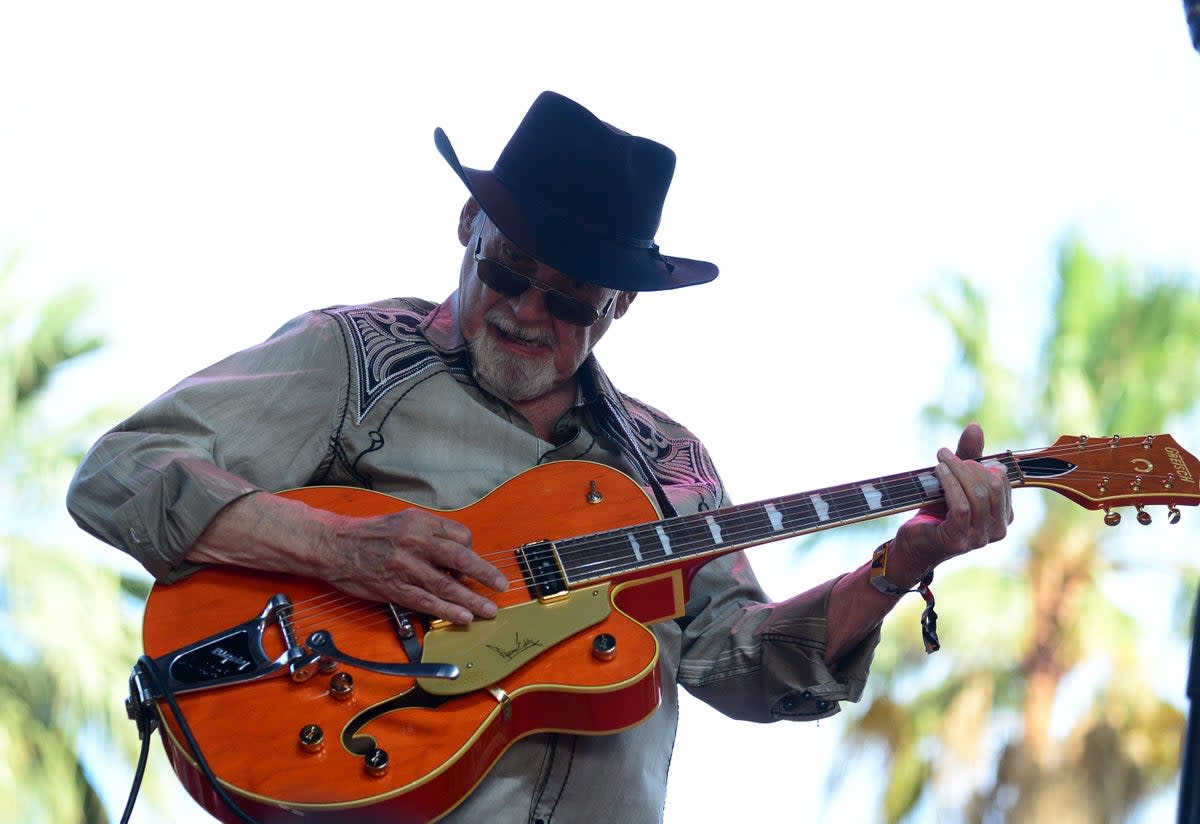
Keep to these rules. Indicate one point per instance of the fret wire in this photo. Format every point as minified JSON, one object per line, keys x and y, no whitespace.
{"x":618,"y":556}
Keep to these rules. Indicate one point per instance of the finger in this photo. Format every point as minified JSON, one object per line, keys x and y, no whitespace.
{"x":970,"y":442}
{"x":989,"y":497}
{"x":1001,"y":520}
{"x":456,"y":554}
{"x":412,"y":596}
{"x":452,"y":592}
{"x":446,"y":543}
{"x":974,"y":500}
{"x":463,"y":560}
{"x":1000,"y":494}
{"x":957,"y":506}
{"x":435,"y":526}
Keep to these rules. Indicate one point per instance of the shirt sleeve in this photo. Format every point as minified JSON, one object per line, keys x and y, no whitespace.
{"x":260,"y":419}
{"x":761,"y":661}
{"x":740,"y":653}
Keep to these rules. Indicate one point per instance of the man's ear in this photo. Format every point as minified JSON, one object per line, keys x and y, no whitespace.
{"x":466,"y":220}
{"x":623,"y":301}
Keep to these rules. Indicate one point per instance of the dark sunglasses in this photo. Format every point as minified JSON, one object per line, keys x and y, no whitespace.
{"x":499,"y":278}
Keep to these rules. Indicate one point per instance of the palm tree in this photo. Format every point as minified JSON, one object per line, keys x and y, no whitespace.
{"x":980,"y":737}
{"x":70,"y":623}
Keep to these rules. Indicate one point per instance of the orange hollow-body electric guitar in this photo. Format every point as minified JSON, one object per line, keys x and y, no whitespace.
{"x":305,"y":702}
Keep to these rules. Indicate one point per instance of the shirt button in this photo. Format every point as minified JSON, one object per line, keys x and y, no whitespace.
{"x":822,"y":706}
{"x":788,"y":704}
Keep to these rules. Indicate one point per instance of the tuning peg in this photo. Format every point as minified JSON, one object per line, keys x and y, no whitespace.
{"x":1172,"y":514}
{"x":1112,"y":518}
{"x":1143,"y":517}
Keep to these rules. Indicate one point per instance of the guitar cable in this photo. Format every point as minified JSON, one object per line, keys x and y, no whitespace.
{"x":139,"y":771}
{"x":147,"y":666}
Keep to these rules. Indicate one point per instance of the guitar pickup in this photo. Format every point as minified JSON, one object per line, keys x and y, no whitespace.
{"x":543,"y":570}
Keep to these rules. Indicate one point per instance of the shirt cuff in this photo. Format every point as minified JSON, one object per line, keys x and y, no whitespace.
{"x":794,"y":641}
{"x":161,"y":523}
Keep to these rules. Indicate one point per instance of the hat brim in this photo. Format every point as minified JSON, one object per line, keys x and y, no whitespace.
{"x":557,"y":240}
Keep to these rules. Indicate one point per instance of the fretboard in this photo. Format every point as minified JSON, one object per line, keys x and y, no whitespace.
{"x":659,"y":543}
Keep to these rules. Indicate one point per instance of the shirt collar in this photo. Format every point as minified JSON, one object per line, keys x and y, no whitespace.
{"x":441,"y":328}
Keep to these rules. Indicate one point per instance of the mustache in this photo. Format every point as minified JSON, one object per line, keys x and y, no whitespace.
{"x":506,"y":324}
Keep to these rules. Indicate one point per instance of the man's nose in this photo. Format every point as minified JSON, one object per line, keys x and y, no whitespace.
{"x":530,"y":304}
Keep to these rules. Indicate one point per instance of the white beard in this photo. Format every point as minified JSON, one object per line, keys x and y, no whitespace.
{"x":514,"y":377}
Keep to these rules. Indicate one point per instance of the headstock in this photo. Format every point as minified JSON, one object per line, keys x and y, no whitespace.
{"x":1101,"y":473}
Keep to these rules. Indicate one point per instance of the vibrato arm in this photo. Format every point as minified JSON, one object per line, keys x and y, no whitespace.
{"x":321,"y":643}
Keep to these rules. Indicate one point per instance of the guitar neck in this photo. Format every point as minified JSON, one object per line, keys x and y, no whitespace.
{"x":708,"y":534}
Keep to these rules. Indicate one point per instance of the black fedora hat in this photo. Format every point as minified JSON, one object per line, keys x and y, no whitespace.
{"x":583,"y":197}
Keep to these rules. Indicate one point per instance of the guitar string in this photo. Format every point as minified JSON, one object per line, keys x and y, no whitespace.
{"x":733,"y":519}
{"x":365,"y":615}
{"x":585,"y":547}
{"x":836,"y":498}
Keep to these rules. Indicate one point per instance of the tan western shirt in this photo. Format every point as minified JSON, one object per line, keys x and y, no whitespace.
{"x":382,"y":396}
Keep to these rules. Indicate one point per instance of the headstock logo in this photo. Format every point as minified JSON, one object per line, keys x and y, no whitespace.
{"x":1185,"y":474}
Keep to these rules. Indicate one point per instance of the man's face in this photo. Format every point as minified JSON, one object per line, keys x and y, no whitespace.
{"x":517,"y":346}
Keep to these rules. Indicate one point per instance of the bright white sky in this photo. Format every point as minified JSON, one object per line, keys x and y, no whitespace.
{"x":214,"y":169}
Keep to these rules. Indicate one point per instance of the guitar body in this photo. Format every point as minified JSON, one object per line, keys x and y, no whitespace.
{"x":438,"y":746}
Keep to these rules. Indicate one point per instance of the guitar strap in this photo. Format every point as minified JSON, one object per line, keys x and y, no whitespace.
{"x":618,"y":425}
{"x":629,"y":448}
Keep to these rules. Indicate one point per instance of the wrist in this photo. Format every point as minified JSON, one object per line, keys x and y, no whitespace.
{"x":880,"y":569}
{"x":893,"y":572}
{"x":326,"y":542}
{"x":904,"y":567}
